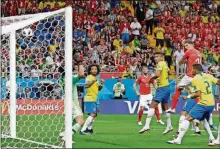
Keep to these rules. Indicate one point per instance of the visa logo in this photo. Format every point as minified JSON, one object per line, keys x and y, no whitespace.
{"x":134,"y":108}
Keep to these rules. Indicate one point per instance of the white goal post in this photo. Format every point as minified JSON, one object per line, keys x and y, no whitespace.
{"x":12,"y":135}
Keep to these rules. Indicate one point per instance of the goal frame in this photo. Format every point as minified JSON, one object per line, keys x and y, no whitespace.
{"x":11,"y":30}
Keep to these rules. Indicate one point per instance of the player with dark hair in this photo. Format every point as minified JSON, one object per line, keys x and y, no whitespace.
{"x":145,"y":93}
{"x":202,"y":85}
{"x":162,"y":93}
{"x":93,"y":87}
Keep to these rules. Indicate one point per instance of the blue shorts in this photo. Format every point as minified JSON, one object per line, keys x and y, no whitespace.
{"x":90,"y":107}
{"x":162,"y":94}
{"x":201,"y":112}
{"x":189,"y":104}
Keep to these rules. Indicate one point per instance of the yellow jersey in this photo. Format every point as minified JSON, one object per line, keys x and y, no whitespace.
{"x":168,"y":51}
{"x":205,"y":19}
{"x":130,"y":50}
{"x":183,"y":13}
{"x":163,"y":78}
{"x":92,"y":91}
{"x":116,"y":42}
{"x":203,"y":82}
{"x":159,"y":31}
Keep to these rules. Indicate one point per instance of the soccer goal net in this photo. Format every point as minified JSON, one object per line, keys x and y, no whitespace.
{"x":36,"y":63}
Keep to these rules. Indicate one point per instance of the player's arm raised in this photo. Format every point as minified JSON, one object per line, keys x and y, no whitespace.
{"x":81,"y":71}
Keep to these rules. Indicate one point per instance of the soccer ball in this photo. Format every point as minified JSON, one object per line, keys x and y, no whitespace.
{"x":27,"y":32}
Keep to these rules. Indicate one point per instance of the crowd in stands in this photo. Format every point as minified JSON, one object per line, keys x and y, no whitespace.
{"x":106,"y":33}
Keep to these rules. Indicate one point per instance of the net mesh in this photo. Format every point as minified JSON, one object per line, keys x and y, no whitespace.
{"x":39,"y":83}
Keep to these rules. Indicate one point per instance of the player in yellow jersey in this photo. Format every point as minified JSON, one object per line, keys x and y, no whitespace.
{"x":93,"y":87}
{"x":162,"y":93}
{"x":202,"y":84}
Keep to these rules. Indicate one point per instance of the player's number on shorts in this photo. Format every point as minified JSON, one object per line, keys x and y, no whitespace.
{"x":199,"y":61}
{"x":207,"y":87}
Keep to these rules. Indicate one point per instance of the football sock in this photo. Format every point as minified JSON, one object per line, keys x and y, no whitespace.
{"x":76,"y":127}
{"x":149,"y":117}
{"x":184,"y":126}
{"x":175,"y":98}
{"x":87,"y":123}
{"x":157,"y":113}
{"x":210,"y":120}
{"x":197,"y":129}
{"x":182,"y":118}
{"x":208,"y":130}
{"x":195,"y":125}
{"x":91,"y":124}
{"x":140,"y":113}
{"x":168,"y":120}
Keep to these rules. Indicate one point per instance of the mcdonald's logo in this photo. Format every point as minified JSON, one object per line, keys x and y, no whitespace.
{"x":5,"y":107}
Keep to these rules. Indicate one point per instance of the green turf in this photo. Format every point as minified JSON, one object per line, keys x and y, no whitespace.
{"x":111,"y":131}
{"x":121,"y":131}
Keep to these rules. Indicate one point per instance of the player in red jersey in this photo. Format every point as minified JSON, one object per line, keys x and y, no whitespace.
{"x":145,"y":94}
{"x":192,"y":56}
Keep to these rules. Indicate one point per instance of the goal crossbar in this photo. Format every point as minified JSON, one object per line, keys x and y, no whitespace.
{"x":30,"y":20}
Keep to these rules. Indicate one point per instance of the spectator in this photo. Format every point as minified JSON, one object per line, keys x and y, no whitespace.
{"x":19,"y":92}
{"x":177,"y":57}
{"x":26,"y":73}
{"x":216,"y":69}
{"x":124,"y":30}
{"x":35,"y":72}
{"x":183,"y":11}
{"x":119,"y":89}
{"x":136,"y":43}
{"x":159,"y":34}
{"x":102,"y":48}
{"x":112,"y":16}
{"x":121,"y":66}
{"x":26,"y":94}
{"x":192,"y":36}
{"x":128,"y":74}
{"x":149,"y":20}
{"x":57,"y":92}
{"x":21,"y":5}
{"x":117,"y":41}
{"x":139,"y":10}
{"x":205,"y":66}
{"x":135,"y":26}
{"x":130,"y":49}
{"x":144,"y":41}
{"x":210,"y":58}
{"x":157,"y":13}
{"x":213,"y":5}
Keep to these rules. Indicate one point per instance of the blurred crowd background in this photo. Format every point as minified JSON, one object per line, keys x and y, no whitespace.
{"x":120,"y":36}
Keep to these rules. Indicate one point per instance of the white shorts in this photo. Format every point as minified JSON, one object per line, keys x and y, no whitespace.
{"x":76,"y":110}
{"x":145,"y":100}
{"x":185,"y":81}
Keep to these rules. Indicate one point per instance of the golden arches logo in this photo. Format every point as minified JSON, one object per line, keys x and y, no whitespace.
{"x":5,"y":107}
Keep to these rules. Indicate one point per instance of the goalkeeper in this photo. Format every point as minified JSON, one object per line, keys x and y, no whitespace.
{"x":76,"y":110}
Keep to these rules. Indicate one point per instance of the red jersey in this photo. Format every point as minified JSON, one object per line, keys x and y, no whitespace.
{"x":192,"y":56}
{"x":21,"y":4}
{"x":144,"y":82}
{"x":121,"y":68}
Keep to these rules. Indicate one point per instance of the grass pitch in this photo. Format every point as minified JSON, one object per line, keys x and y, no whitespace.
{"x":111,"y":131}
{"x":121,"y":131}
